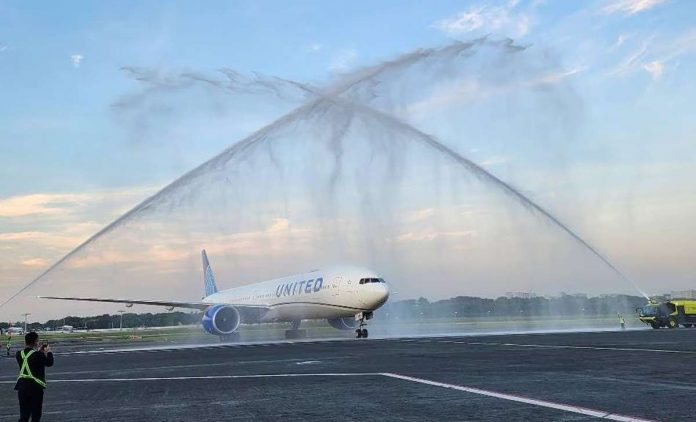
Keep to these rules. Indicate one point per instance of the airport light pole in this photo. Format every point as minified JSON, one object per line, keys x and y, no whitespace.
{"x":25,"y":320}
{"x":120,"y":325}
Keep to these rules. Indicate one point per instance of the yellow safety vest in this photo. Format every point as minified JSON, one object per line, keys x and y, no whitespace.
{"x":25,"y":372}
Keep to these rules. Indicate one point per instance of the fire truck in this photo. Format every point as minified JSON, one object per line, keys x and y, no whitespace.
{"x":670,"y":314}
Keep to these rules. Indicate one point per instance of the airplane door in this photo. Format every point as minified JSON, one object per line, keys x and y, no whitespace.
{"x":336,"y":285}
{"x":349,"y":286}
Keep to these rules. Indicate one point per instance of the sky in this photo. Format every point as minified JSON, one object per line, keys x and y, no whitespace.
{"x":608,"y":143}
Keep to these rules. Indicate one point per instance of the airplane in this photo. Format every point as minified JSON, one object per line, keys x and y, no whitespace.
{"x":345,"y":296}
{"x":14,"y":330}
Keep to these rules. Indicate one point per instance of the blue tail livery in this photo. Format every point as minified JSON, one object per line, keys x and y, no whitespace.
{"x":208,"y":277}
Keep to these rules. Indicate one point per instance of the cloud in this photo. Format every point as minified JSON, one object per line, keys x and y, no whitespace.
{"x":620,"y":40}
{"x":20,"y":236}
{"x":3,"y":47}
{"x":313,"y":47}
{"x":557,"y":76}
{"x":65,"y":238}
{"x":279,"y":225}
{"x":631,"y":62}
{"x":654,"y":57}
{"x":469,"y":91}
{"x":76,"y":59}
{"x":35,"y":262}
{"x":433,"y":235}
{"x":654,"y":68}
{"x":273,"y":239}
{"x":343,"y":61}
{"x":39,"y":204}
{"x":630,"y":7}
{"x":422,"y":214}
{"x":64,"y":204}
{"x":685,"y":43}
{"x":461,"y":92}
{"x":487,"y":19}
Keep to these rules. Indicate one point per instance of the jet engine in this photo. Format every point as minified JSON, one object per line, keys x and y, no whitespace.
{"x":221,"y":320}
{"x":345,"y":323}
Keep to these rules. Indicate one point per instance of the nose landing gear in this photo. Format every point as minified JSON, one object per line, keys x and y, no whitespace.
{"x":295,"y":332}
{"x":361,"y":332}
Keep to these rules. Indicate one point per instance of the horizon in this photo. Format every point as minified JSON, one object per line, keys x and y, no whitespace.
{"x":155,"y":310}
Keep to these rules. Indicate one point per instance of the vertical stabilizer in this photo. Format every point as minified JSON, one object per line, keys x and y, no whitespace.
{"x":208,"y":277}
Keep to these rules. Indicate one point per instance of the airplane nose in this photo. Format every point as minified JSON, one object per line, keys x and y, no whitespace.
{"x":382,"y":293}
{"x":372,"y":295}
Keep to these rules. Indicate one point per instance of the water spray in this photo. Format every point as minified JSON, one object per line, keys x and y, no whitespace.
{"x":334,"y":96}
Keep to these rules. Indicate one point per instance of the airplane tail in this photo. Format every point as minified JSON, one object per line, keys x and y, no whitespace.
{"x":208,"y":277}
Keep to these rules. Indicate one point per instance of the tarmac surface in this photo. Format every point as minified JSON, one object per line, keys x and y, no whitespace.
{"x":621,"y":375}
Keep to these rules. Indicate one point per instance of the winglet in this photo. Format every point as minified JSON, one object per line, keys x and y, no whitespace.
{"x":208,"y":277}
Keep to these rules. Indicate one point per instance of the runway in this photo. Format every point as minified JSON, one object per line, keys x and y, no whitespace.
{"x":624,"y":376}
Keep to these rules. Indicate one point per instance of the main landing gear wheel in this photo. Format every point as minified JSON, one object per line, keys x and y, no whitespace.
{"x":294,"y":332}
{"x":229,"y":338}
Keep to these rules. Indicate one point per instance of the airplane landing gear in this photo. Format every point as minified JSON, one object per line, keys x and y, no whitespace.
{"x":229,"y":338}
{"x":295,"y":332}
{"x":361,"y":332}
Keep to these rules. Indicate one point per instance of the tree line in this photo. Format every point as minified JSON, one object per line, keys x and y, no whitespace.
{"x":476,"y":307}
{"x":130,"y":320}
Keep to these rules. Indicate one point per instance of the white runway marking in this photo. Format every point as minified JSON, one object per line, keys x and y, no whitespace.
{"x":308,"y":362}
{"x":190,"y":366}
{"x":561,"y":346}
{"x":543,"y":403}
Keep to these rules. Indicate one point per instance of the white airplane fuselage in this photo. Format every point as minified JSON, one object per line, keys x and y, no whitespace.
{"x":335,"y":292}
{"x":345,"y":296}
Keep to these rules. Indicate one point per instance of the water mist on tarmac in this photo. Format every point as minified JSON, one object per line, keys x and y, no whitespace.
{"x":356,"y":174}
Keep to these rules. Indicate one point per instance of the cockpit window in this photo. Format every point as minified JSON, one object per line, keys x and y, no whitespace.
{"x":649,"y":310}
{"x":371,"y":280}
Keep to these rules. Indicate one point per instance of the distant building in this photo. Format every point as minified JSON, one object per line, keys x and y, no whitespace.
{"x":682,"y":294}
{"x":520,"y":295}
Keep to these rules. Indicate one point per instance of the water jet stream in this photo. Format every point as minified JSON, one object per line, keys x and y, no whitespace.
{"x":334,"y":96}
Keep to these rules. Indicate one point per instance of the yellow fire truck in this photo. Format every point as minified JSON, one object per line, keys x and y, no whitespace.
{"x":671,"y":314}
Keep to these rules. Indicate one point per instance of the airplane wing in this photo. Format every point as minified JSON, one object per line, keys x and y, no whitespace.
{"x":167,"y":304}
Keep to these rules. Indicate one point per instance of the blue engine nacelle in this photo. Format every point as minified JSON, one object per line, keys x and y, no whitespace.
{"x":221,"y":320}
{"x":346,"y":323}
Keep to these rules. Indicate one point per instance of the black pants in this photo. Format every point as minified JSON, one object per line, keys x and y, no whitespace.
{"x":30,"y":403}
